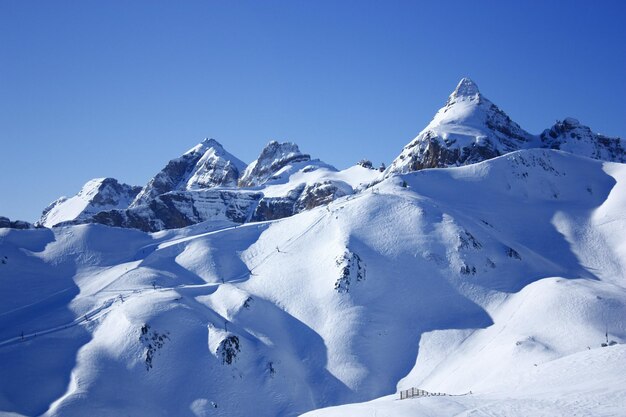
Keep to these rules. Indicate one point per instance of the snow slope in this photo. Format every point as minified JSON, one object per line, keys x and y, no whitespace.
{"x":449,"y":280}
{"x":587,"y":383}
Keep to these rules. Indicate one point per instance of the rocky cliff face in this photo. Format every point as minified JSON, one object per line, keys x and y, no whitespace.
{"x":302,"y":197}
{"x":183,"y":208}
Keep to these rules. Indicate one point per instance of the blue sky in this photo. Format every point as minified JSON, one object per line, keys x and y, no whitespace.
{"x":117,"y":88}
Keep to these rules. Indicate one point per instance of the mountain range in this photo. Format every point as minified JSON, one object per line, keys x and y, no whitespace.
{"x":209,"y":183}
{"x":485,"y":268}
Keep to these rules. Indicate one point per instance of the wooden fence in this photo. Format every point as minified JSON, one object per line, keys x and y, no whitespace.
{"x":416,"y":392}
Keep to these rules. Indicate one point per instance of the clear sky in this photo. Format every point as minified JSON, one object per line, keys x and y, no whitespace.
{"x":117,"y":88}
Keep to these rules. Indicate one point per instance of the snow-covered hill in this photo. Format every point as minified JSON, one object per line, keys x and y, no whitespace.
{"x":503,"y":278}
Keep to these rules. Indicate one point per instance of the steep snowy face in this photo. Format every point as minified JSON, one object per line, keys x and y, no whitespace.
{"x":206,"y":165}
{"x":274,"y":157}
{"x":571,"y":136}
{"x":468,"y":129}
{"x":96,"y":195}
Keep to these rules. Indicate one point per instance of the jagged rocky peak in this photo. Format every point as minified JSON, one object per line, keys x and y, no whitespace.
{"x":571,"y":136}
{"x":216,"y":167}
{"x":96,"y":195}
{"x":206,"y":165}
{"x":274,"y":157}
{"x":468,"y":129}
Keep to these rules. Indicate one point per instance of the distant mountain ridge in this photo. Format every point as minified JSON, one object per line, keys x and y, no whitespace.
{"x":209,"y":183}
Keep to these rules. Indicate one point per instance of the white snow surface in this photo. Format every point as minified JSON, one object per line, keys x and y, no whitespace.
{"x":502,"y":278}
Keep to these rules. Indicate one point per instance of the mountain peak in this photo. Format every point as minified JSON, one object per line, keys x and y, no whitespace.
{"x":207,"y":143}
{"x":466,"y":88}
{"x":467,"y":129}
{"x":273,"y":157}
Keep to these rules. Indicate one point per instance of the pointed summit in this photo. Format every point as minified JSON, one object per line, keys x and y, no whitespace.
{"x":206,"y":144}
{"x":206,"y":165}
{"x":466,"y":88}
{"x":467,"y":129}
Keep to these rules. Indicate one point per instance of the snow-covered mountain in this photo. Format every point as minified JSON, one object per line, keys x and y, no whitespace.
{"x":206,"y":165}
{"x":294,"y":188}
{"x":209,"y":183}
{"x":470,"y":129}
{"x":503,"y":277}
{"x":97,"y":195}
{"x":204,"y":184}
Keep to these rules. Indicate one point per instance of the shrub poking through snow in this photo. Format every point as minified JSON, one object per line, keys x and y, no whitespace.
{"x":152,"y":341}
{"x":270,"y":369}
{"x":467,"y":270}
{"x":466,"y":239}
{"x":351,"y":268}
{"x":228,"y":349}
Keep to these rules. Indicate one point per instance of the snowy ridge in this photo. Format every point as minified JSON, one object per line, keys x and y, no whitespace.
{"x":426,"y":279}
